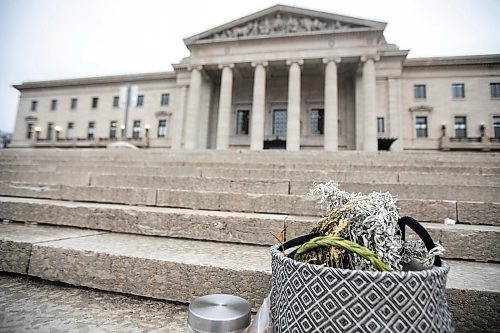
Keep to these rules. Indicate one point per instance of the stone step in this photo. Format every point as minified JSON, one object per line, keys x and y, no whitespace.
{"x":461,"y":241}
{"x":470,"y":242}
{"x":64,"y":165}
{"x":265,"y":186}
{"x":157,"y":182}
{"x":34,"y":305}
{"x":244,"y":155}
{"x":180,"y":270}
{"x":219,"y":226}
{"x":274,"y":156}
{"x":162,"y":268}
{"x":339,"y":175}
{"x":414,"y":191}
{"x":41,"y":177}
{"x":422,"y":210}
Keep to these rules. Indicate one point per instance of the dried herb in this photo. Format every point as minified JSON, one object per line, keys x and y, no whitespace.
{"x":369,"y":220}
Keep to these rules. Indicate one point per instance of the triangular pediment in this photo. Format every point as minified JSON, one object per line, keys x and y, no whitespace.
{"x":281,"y":20}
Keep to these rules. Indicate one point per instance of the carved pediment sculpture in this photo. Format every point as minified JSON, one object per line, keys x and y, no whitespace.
{"x":282,"y":23}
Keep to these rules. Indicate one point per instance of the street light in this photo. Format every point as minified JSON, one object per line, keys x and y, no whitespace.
{"x":481,"y":129}
{"x":147,"y":127}
{"x":38,"y":130}
{"x":58,"y":130}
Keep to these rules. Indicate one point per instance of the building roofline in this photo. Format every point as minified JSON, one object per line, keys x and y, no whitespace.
{"x":96,"y":80}
{"x":453,"y":60}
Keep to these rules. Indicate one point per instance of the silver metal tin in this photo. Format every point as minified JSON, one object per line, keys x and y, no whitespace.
{"x":219,"y":313}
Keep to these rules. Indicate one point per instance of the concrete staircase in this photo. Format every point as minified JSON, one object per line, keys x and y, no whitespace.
{"x":176,"y":225}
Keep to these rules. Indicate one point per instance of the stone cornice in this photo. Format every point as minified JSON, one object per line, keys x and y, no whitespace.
{"x":160,"y":76}
{"x":489,"y":59}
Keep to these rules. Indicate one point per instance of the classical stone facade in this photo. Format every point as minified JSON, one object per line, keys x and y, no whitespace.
{"x":283,"y":77}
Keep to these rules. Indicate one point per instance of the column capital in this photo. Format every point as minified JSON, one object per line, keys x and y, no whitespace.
{"x":300,"y":62}
{"x":374,"y":57}
{"x":257,"y":63}
{"x":191,"y":67}
{"x":230,"y":65}
{"x":335,"y":59}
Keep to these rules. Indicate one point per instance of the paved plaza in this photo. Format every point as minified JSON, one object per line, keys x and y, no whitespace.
{"x":29,"y":305}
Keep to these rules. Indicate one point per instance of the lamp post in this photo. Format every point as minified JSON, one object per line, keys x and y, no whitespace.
{"x":147,"y":127}
{"x":481,"y":129}
{"x":122,"y":134}
{"x":38,"y":130}
{"x":58,"y":130}
{"x":443,"y":129}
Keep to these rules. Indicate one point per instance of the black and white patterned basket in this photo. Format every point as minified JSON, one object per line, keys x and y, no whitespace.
{"x":310,"y":298}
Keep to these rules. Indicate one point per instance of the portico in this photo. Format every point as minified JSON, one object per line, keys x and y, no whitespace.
{"x":300,"y":77}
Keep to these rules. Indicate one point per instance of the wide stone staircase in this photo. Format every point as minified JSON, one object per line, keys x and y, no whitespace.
{"x":175,"y":225}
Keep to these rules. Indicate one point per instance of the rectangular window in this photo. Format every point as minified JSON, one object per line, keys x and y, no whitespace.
{"x":50,"y":131}
{"x":458,"y":90}
{"x":419,"y":91}
{"x":112,"y":130}
{"x":165,"y":99}
{"x":140,"y":100}
{"x":242,"y":121}
{"x":74,"y":103}
{"x":495,"y":90}
{"x":317,"y":121}
{"x":496,"y":127}
{"x":460,"y":127}
{"x":95,"y":102}
{"x":116,"y":102}
{"x":380,"y":125}
{"x":279,"y":122}
{"x":136,"y":130}
{"x":29,"y":131}
{"x":53,"y":105}
{"x":69,"y":131}
{"x":91,"y":130}
{"x":421,"y":127}
{"x":162,"y":128}
{"x":34,"y":104}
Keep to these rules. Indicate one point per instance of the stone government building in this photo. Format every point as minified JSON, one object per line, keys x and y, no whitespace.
{"x":282,"y":77}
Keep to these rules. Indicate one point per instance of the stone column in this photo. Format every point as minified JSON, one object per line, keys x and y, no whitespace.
{"x":293,"y":112}
{"x":178,"y":121}
{"x":258,"y":107}
{"x":193,"y":109}
{"x":226,"y":93}
{"x":395,"y":113}
{"x":331,"y":105}
{"x":369,"y":107}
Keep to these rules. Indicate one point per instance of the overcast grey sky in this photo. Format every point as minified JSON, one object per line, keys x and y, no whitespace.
{"x":53,"y":39}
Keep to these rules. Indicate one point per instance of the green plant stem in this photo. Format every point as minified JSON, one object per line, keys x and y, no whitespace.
{"x":345,"y":244}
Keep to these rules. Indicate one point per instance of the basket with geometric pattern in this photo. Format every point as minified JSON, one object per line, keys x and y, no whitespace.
{"x":311,"y":298}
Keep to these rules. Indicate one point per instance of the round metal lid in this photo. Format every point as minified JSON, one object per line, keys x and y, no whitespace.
{"x":219,"y":313}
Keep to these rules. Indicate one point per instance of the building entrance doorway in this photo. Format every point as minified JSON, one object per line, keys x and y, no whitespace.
{"x":279,"y":131}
